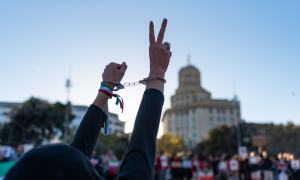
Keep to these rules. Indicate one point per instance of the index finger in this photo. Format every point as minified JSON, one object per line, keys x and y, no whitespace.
{"x":161,"y":34}
{"x":151,"y":33}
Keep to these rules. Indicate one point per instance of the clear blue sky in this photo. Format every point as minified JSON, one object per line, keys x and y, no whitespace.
{"x":252,"y":44}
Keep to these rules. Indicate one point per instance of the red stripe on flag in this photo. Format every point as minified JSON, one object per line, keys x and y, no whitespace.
{"x":105,"y":92}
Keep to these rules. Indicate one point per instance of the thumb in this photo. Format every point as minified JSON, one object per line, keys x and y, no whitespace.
{"x":123,"y":67}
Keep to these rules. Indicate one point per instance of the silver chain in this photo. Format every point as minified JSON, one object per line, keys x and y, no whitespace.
{"x":131,"y":84}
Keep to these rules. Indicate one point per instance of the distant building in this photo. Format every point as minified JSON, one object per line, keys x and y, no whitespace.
{"x":193,"y":113}
{"x":5,"y":107}
{"x":116,"y":126}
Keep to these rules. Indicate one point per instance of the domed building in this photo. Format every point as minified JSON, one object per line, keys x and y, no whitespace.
{"x":193,"y":112}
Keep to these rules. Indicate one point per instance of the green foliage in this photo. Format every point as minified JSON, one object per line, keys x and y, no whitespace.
{"x":33,"y":122}
{"x":220,"y":140}
{"x":170,"y":143}
{"x":279,"y":138}
{"x":116,"y":143}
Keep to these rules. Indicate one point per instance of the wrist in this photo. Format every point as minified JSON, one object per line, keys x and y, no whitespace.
{"x":157,"y":73}
{"x":112,"y":86}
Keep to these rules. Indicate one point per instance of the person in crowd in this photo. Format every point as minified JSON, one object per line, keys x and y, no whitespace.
{"x":234,"y":168}
{"x":223,"y":168}
{"x":158,"y":168}
{"x":205,"y":171}
{"x":110,"y":170}
{"x":186,"y":165}
{"x":245,"y":170}
{"x":96,"y":161}
{"x":210,"y":160}
{"x":60,"y":161}
{"x":215,"y":164}
{"x":176,"y":167}
{"x":282,"y":168}
{"x":18,"y":154}
{"x":195,"y":166}
{"x":164,"y":165}
{"x":3,"y":159}
{"x":267,"y":167}
{"x":255,"y":169}
{"x":274,"y":168}
{"x":294,"y":169}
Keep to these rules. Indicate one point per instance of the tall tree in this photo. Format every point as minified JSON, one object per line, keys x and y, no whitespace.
{"x":33,"y":122}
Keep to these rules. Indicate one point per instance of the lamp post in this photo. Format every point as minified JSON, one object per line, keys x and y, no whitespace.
{"x":66,"y":123}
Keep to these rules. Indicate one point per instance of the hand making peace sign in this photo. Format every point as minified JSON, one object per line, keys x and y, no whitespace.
{"x":159,"y":52}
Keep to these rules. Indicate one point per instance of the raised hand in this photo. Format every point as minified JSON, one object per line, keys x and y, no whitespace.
{"x":159,"y":52}
{"x":114,"y":72}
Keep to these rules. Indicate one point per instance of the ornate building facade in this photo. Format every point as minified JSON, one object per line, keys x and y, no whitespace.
{"x":193,"y":112}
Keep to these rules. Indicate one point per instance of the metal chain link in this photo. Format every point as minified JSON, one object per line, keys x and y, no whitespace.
{"x":131,"y":84}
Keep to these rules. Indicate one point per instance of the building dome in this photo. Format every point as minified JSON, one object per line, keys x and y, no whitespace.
{"x":189,"y":76}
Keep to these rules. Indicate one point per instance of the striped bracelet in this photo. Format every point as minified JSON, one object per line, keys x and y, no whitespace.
{"x":108,"y":91}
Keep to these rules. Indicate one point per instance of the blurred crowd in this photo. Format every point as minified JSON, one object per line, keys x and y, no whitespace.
{"x":254,"y":167}
{"x":14,"y":154}
{"x":106,"y":165}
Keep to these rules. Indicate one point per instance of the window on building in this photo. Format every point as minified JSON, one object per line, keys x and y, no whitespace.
{"x":187,"y":112}
{"x":182,"y":136}
{"x":194,"y":126}
{"x":224,"y":119}
{"x":169,"y":121}
{"x":231,"y":120}
{"x":182,"y":128}
{"x":187,"y":97}
{"x":187,"y":120}
{"x":177,"y":121}
{"x":194,"y":119}
{"x":182,"y":120}
{"x":177,"y":99}
{"x":219,"y":119}
{"x":218,"y":111}
{"x":170,"y":115}
{"x":223,"y":111}
{"x":182,"y":98}
{"x":177,"y":114}
{"x":170,"y":129}
{"x":187,"y":128}
{"x":187,"y":135}
{"x":231,"y":111}
{"x":210,"y":126}
{"x":195,"y":135}
{"x":181,"y":113}
{"x":194,"y":111}
{"x":210,"y":111}
{"x":211,"y":118}
{"x":1,"y":114}
{"x":177,"y":129}
{"x":195,"y":98}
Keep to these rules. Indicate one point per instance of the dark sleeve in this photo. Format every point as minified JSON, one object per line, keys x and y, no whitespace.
{"x":88,"y":131}
{"x":139,"y":160}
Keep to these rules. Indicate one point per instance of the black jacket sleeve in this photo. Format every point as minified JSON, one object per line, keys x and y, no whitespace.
{"x":139,"y":160}
{"x":88,"y":131}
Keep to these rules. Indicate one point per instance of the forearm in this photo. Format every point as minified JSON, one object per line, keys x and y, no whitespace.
{"x":140,"y":156}
{"x":156,"y":84}
{"x":90,"y":126}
